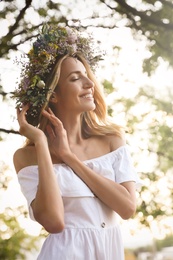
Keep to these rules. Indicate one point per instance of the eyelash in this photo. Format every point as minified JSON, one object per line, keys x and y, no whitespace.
{"x":75,"y":79}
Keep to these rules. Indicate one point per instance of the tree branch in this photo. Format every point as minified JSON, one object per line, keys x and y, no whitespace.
{"x":4,"y":94}
{"x":20,"y":16}
{"x":14,"y":46}
{"x":142,"y":15}
{"x":9,"y":131}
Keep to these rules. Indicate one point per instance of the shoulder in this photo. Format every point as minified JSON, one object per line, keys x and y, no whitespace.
{"x":23,"y":157}
{"x":115,"y":142}
{"x":108,"y":143}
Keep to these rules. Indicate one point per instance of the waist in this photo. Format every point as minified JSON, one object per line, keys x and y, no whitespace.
{"x":88,"y":212}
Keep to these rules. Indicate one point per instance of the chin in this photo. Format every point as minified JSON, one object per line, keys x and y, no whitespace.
{"x":91,"y":108}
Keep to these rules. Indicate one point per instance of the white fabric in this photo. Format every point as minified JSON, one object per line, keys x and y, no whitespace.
{"x":91,"y":228}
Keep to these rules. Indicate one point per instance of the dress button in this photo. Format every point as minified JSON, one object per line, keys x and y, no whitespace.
{"x":103,"y":225}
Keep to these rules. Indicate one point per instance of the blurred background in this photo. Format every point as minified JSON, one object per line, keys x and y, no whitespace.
{"x":137,"y":76}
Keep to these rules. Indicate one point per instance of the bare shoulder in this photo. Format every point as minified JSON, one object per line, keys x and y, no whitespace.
{"x":23,"y":157}
{"x":115,"y":142}
{"x":107,"y":143}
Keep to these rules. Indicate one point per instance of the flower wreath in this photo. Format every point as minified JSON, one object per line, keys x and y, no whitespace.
{"x":53,"y":41}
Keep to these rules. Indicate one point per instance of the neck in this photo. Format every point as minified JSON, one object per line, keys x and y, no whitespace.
{"x":72,"y":125}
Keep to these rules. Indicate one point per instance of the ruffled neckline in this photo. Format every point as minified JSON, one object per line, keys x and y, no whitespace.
{"x":104,"y":156}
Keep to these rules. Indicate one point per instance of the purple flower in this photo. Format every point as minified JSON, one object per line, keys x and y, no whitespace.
{"x":25,"y":83}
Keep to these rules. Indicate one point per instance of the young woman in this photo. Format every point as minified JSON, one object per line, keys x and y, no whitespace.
{"x":75,"y":170}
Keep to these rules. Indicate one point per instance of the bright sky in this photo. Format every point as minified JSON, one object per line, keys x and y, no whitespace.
{"x":126,"y":73}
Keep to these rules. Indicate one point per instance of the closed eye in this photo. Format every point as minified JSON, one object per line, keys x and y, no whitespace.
{"x":74,"y":79}
{"x":78,"y":75}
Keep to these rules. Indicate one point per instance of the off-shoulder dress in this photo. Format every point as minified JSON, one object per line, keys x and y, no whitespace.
{"x":92,"y":230}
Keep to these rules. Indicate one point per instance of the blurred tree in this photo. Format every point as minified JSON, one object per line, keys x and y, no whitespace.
{"x":149,"y":20}
{"x":14,"y":241}
{"x":150,"y":122}
{"x":160,"y":244}
{"x":148,"y":116}
{"x":152,"y":20}
{"x":166,"y":242}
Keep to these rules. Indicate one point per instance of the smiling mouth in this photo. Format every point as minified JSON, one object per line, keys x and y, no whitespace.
{"x":87,"y":96}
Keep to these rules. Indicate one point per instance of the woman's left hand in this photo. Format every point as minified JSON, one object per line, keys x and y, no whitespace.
{"x":57,"y":136}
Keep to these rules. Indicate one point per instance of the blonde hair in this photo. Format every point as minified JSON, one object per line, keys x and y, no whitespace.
{"x":94,"y":122}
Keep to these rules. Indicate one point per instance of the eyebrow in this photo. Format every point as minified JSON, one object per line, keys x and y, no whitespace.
{"x":75,"y":72}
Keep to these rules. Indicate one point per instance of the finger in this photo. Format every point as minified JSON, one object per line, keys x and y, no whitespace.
{"x":58,"y":126}
{"x":21,"y":114}
{"x":50,"y":111}
{"x":51,"y":116}
{"x":25,"y":108}
{"x":46,"y":113}
{"x":50,"y":132}
{"x":17,"y":111}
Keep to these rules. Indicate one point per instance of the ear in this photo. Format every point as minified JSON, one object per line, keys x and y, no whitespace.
{"x":53,"y":98}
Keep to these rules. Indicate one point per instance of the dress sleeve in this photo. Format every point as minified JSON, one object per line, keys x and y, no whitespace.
{"x":28,"y":180}
{"x":124,"y":168}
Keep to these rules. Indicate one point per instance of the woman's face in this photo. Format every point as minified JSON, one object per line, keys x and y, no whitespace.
{"x":75,"y":90}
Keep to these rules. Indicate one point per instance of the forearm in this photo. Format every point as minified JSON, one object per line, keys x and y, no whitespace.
{"x":114,"y":195}
{"x":47,"y":206}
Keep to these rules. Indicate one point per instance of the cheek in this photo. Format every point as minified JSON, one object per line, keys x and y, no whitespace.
{"x":67,"y":92}
{"x":69,"y":98}
{"x":71,"y":92}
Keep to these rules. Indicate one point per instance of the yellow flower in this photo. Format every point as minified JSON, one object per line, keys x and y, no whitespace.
{"x":31,"y":52}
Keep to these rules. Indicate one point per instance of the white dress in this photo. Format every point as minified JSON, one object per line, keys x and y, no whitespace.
{"x":92,"y":230}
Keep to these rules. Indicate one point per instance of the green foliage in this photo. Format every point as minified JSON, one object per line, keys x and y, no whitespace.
{"x":14,"y":241}
{"x":152,"y":21}
{"x":149,"y":118}
{"x":108,"y":88}
{"x":4,"y":179}
{"x":159,"y":244}
{"x":166,"y":242}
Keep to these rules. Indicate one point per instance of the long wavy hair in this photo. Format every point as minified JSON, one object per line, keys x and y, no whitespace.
{"x":95,"y":122}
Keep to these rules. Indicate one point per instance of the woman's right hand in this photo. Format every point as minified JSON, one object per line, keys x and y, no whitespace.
{"x":26,"y":129}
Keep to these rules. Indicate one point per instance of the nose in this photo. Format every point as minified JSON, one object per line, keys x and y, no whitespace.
{"x":88,"y":83}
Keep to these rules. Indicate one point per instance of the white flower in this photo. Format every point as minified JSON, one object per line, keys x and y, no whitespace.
{"x":72,"y":36}
{"x":74,"y":47}
{"x":69,"y":30}
{"x":41,"y":84}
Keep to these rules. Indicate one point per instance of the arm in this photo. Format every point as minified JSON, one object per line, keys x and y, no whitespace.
{"x":47,"y":206}
{"x":119,"y":197}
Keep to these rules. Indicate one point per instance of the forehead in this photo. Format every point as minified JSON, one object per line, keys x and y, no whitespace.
{"x":70,"y":65}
